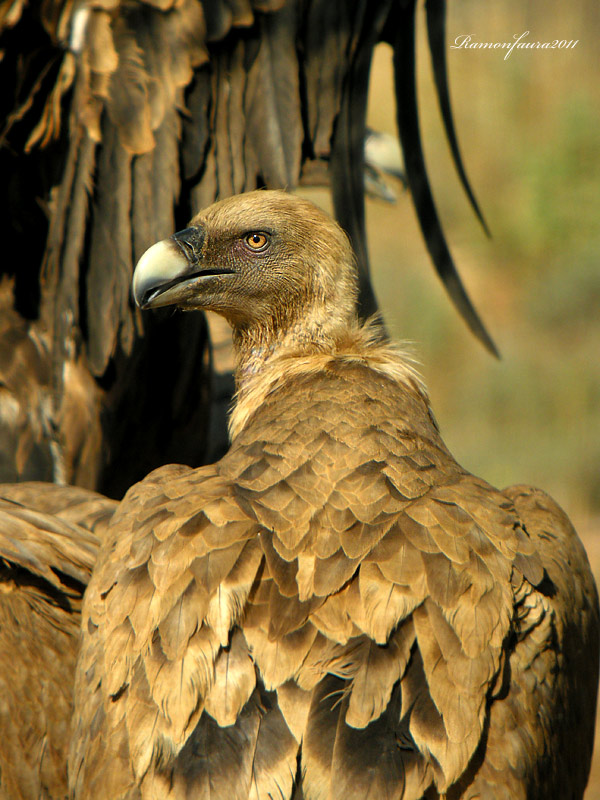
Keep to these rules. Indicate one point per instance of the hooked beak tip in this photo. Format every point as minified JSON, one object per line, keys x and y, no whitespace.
{"x":158,"y":266}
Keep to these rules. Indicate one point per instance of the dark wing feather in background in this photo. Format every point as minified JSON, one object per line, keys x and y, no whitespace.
{"x":121,"y":121}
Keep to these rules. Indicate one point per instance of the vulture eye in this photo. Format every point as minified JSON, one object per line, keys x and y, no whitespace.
{"x":256,"y":241}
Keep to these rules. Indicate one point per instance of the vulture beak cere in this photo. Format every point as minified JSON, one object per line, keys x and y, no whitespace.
{"x":168,"y":272}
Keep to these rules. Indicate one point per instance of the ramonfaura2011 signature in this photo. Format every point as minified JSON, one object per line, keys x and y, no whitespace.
{"x":467,"y":41}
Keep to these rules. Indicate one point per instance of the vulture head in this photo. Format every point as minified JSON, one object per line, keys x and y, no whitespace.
{"x":274,"y":265}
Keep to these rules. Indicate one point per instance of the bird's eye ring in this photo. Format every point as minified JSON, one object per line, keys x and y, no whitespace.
{"x":256,"y":241}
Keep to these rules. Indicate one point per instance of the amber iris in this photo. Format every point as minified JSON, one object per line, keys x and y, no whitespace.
{"x":256,"y":241}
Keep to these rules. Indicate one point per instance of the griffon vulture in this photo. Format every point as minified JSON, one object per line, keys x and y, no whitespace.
{"x":336,"y":608}
{"x":120,"y":121}
{"x":48,"y":546}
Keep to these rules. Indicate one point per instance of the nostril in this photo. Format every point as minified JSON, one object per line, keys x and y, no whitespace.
{"x":190,"y":242}
{"x":188,"y":250}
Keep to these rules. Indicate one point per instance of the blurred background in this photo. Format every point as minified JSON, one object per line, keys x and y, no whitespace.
{"x":529,"y":129}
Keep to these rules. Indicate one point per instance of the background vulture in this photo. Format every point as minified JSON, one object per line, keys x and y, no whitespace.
{"x":335,"y":609}
{"x":49,"y":537}
{"x":122,"y":120}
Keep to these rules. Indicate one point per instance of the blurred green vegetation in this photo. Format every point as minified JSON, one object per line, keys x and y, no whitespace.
{"x":529,"y":128}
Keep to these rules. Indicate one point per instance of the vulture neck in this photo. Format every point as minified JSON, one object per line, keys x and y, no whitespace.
{"x":268,"y":358}
{"x":260,"y":347}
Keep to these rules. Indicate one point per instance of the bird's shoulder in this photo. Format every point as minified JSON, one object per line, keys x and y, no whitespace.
{"x":179,"y":559}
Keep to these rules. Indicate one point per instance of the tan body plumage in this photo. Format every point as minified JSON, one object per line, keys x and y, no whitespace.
{"x":335,"y":609}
